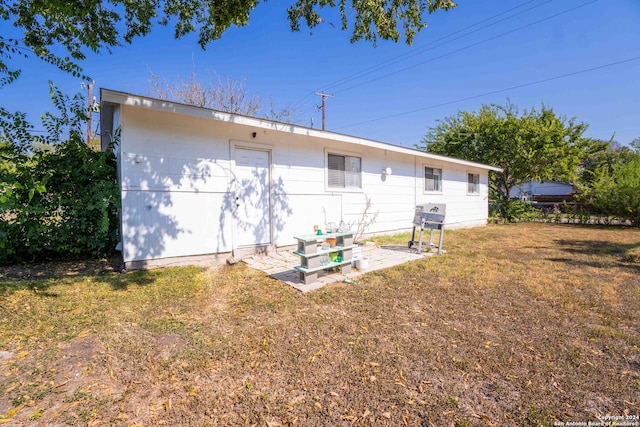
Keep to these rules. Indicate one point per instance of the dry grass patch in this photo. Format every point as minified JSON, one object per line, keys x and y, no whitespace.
{"x":633,"y":254}
{"x":522,"y":324}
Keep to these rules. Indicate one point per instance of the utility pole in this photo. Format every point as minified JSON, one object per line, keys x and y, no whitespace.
{"x":89,"y":87}
{"x":323,"y":107}
{"x":90,"y":109}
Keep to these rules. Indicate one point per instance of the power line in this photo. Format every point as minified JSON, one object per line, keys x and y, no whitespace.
{"x":412,"y":53}
{"x":419,"y":50}
{"x":466,"y":47}
{"x":599,"y":67}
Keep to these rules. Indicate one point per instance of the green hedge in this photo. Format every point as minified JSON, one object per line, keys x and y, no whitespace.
{"x":58,"y":203}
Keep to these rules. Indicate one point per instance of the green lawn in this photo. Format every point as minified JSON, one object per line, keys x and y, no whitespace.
{"x":523,"y":324}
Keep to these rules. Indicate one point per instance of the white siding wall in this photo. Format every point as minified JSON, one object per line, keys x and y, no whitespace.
{"x":177,"y":185}
{"x":175,"y":180}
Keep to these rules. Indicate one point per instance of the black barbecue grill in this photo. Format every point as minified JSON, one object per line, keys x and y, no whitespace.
{"x":428,"y":216}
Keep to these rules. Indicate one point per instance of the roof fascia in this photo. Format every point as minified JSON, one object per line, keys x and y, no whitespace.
{"x":122,"y":98}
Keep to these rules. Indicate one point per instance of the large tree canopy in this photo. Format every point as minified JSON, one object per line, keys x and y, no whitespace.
{"x":534,"y":145}
{"x":76,"y":26}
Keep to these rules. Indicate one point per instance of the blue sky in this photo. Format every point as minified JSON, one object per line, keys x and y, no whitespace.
{"x":482,"y":52}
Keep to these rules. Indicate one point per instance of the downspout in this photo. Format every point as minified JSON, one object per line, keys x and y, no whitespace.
{"x":415,"y":180}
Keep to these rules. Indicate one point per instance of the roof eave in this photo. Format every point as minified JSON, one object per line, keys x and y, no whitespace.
{"x":123,"y":98}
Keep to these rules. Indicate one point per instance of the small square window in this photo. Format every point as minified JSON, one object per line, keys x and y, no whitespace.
{"x":432,"y":179}
{"x":344,"y":171}
{"x":473,"y":183}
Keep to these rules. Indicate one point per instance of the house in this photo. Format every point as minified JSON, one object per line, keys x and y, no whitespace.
{"x":544,"y":190}
{"x":198,"y":184}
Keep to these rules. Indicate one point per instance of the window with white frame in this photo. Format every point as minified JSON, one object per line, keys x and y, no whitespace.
{"x":432,"y":179}
{"x":344,"y":171}
{"x":473,"y":183}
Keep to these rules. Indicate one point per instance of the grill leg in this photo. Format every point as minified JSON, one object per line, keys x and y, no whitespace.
{"x":420,"y":241}
{"x":413,"y":237}
{"x":441,"y":240}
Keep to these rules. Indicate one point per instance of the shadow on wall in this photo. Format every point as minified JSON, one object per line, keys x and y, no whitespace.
{"x":258,"y":218}
{"x":281,"y":211}
{"x":145,"y":223}
{"x":164,"y":202}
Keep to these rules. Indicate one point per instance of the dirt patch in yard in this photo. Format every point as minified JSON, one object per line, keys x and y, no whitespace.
{"x":53,"y":269}
{"x":57,"y":378}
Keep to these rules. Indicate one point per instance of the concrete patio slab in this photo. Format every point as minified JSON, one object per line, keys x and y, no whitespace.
{"x":280,"y":265}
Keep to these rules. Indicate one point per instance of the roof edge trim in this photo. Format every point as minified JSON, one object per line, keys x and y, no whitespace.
{"x":140,"y":101}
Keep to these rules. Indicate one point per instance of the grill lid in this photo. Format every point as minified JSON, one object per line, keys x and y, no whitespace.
{"x":429,"y":213}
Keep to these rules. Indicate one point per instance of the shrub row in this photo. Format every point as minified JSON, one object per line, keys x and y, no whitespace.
{"x":58,"y":203}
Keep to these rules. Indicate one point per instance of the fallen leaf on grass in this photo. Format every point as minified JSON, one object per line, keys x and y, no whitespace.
{"x":421,"y":388}
{"x":555,"y":384}
{"x":484,"y":418}
{"x":84,"y":333}
{"x":10,"y":414}
{"x":13,"y":387}
{"x":387,"y":415}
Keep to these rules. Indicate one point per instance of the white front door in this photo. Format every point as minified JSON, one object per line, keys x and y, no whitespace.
{"x":252,"y":202}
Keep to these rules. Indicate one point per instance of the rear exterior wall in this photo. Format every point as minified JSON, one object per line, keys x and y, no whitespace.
{"x":178,"y":188}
